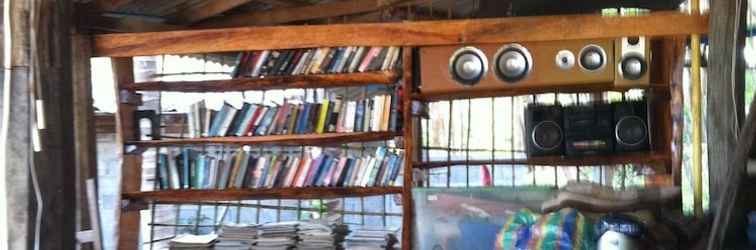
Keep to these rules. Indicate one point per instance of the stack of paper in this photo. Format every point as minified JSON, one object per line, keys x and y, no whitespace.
{"x":369,"y":238}
{"x":236,"y":237}
{"x":315,"y":236}
{"x":275,"y":236}
{"x":193,"y":242}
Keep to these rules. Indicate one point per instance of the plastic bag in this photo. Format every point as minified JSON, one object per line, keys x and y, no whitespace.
{"x":566,"y":229}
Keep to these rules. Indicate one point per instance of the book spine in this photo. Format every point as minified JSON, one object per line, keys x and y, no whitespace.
{"x":371,"y":54}
{"x":322,"y":117}
{"x":359,"y":115}
{"x":261,"y":60}
{"x":358,"y":55}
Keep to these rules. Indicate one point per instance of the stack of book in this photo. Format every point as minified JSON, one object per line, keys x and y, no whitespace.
{"x":282,"y":235}
{"x":377,"y":113}
{"x":193,"y":242}
{"x":368,"y":238}
{"x":236,"y":236}
{"x":315,"y":61}
{"x":191,"y":169}
{"x":314,"y":237}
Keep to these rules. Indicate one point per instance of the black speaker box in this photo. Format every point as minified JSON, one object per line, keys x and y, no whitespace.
{"x":631,"y":130}
{"x":588,"y":129}
{"x":543,"y":130}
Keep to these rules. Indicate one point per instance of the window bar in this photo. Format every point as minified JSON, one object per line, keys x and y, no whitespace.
{"x":448,"y":145}
{"x":512,"y":139}
{"x":158,"y":178}
{"x":427,"y":150}
{"x":197,"y":220}
{"x":258,"y":210}
{"x":493,"y":141}
{"x":215,"y":218}
{"x":467,"y":144}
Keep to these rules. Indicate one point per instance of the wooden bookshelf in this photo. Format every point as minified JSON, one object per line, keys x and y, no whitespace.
{"x":531,"y":90}
{"x":286,"y":140}
{"x":649,"y":158}
{"x":271,"y":82}
{"x":253,"y":194}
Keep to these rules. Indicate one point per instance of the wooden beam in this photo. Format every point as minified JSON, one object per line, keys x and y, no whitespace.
{"x":290,"y":140}
{"x":126,"y":25}
{"x":724,"y":109}
{"x":280,"y":3}
{"x":497,"y":30}
{"x":287,"y":15}
{"x":205,"y":11}
{"x":110,"y":5}
{"x":260,"y":193}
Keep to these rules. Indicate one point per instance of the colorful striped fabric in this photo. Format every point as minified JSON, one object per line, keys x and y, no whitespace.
{"x":565,"y":229}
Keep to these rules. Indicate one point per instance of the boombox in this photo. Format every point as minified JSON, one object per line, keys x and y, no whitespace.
{"x":582,"y":130}
{"x":533,"y":65}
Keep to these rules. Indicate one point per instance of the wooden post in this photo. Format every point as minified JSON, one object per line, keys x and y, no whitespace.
{"x":408,"y":217}
{"x":84,"y":130}
{"x":14,"y":137}
{"x":131,"y":166}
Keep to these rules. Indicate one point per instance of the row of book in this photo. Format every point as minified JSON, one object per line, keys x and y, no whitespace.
{"x":316,"y":61}
{"x":191,"y":169}
{"x":372,"y":114}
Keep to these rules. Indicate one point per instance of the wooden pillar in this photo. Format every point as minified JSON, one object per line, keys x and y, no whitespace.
{"x":131,"y":166}
{"x":84,"y":129}
{"x":728,"y":147}
{"x":15,"y":155}
{"x":408,"y":218}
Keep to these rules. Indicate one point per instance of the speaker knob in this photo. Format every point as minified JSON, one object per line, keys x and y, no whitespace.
{"x":513,"y":63}
{"x":468,"y":65}
{"x":592,"y":58}
{"x":565,"y":59}
{"x":632,"y":67}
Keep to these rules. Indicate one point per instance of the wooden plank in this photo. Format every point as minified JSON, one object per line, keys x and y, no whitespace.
{"x":85,"y":145}
{"x":408,"y":213}
{"x":131,"y":165}
{"x":92,"y":198}
{"x":659,"y":159}
{"x":495,"y":30}
{"x":308,"y":12}
{"x":290,"y":140}
{"x":127,"y":25}
{"x":661,"y":89}
{"x":271,"y":82}
{"x":727,"y":145}
{"x":267,"y":193}
{"x":110,"y":5}
{"x":209,"y":9}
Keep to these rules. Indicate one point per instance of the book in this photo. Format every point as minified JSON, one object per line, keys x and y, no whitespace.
{"x":371,"y":54}
{"x":258,"y":64}
{"x":358,"y":55}
{"x":239,"y":117}
{"x":359,"y":115}
{"x":242,"y":169}
{"x":162,"y":173}
{"x":247,"y":119}
{"x":292,"y":120}
{"x":322,"y":117}
{"x":262,"y":128}
{"x":173,"y":170}
{"x":351,"y":110}
{"x":377,"y":61}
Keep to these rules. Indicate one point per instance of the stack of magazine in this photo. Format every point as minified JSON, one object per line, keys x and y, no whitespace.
{"x":316,"y":61}
{"x":334,"y":115}
{"x":193,"y":242}
{"x":245,"y":168}
{"x":372,"y":238}
{"x":236,"y":237}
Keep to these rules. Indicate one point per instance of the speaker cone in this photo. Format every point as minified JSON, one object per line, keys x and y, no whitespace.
{"x":632,"y":67}
{"x":468,"y":65}
{"x":592,"y":58}
{"x":547,"y":135}
{"x":513,"y":63}
{"x":630,"y":131}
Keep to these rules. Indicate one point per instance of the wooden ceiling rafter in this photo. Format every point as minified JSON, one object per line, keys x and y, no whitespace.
{"x":303,"y":13}
{"x":204,"y":11}
{"x":110,"y":5}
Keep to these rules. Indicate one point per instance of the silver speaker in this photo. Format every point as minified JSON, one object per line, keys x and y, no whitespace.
{"x":592,"y":58}
{"x":565,"y":59}
{"x":633,"y":64}
{"x":513,"y":62}
{"x":468,"y":65}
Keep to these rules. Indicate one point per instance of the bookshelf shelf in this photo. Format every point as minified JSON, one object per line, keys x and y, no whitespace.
{"x":269,"y":193}
{"x":271,"y":82}
{"x":290,"y":140}
{"x":531,"y":90}
{"x":638,"y":158}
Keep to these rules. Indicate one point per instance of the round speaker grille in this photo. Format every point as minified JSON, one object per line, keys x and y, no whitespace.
{"x":632,"y":67}
{"x":547,"y":135}
{"x":592,"y":58}
{"x":513,"y":63}
{"x":630,"y":131}
{"x":468,"y":65}
{"x":565,"y":59}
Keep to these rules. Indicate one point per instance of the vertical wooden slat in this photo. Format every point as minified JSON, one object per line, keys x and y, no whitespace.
{"x":84,"y":129}
{"x":408,"y":217}
{"x":131,"y":167}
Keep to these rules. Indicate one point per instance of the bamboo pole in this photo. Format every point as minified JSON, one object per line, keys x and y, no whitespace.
{"x":695,"y":96}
